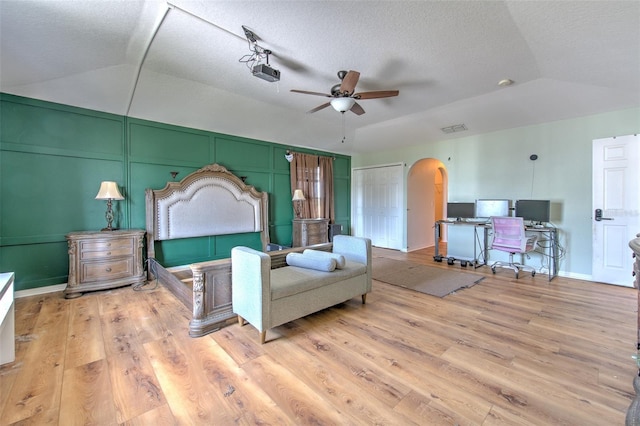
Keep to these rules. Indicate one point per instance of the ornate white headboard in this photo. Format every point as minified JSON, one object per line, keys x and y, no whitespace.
{"x":210,"y":201}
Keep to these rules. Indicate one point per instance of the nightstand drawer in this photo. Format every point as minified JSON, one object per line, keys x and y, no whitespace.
{"x":317,"y":234}
{"x":121,"y":245}
{"x":92,"y":271}
{"x":106,"y":254}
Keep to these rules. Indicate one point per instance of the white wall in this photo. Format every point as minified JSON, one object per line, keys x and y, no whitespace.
{"x":497,"y":165}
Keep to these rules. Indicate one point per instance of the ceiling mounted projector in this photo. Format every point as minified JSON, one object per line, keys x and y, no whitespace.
{"x":265,"y":72}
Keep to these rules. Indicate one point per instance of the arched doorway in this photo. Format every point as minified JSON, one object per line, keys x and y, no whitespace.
{"x":426,"y":197}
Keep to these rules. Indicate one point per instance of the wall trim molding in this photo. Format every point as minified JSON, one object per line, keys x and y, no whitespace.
{"x":40,"y":290}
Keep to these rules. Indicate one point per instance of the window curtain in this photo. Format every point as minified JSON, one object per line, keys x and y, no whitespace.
{"x":314,"y":175}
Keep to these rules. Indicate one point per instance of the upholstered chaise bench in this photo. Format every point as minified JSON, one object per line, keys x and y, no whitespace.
{"x":267,"y":297}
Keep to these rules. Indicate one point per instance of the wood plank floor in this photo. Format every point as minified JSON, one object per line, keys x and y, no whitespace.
{"x":505,"y":351}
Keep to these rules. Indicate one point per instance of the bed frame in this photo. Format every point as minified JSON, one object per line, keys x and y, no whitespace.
{"x":208,"y":202}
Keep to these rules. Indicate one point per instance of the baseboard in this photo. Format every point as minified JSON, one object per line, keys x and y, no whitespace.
{"x":576,"y":276}
{"x":587,"y":277}
{"x":40,"y":290}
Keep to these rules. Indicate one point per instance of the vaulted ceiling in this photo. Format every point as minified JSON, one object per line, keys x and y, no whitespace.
{"x":179,"y":63}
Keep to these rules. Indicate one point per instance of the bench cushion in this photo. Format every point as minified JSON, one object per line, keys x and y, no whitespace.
{"x":292,"y":280}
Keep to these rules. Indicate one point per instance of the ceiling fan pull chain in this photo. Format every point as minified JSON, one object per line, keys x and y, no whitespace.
{"x":344,"y":128}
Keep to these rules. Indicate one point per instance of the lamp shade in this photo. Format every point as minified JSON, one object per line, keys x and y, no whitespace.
{"x":109,"y":191}
{"x":298,"y":195}
{"x":342,"y":104}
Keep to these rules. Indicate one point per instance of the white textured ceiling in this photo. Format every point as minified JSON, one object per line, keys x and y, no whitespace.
{"x":567,"y":58}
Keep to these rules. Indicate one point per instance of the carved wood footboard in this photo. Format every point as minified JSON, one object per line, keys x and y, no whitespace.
{"x":211,"y":296}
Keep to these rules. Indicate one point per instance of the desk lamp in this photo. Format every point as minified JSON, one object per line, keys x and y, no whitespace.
{"x":298,"y":198}
{"x":109,"y":191}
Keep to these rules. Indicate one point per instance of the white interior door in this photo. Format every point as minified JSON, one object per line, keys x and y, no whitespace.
{"x":616,"y":165}
{"x":377,"y":205}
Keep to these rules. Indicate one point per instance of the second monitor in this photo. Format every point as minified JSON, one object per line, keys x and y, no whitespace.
{"x":487,"y":208}
{"x":536,"y":211}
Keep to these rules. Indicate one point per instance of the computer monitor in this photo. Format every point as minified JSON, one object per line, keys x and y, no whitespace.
{"x":537,"y":211}
{"x":461,"y":210}
{"x":486,"y":208}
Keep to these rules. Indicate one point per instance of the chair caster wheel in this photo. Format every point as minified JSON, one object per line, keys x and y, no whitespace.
{"x":463,"y":263}
{"x":533,"y":274}
{"x":493,"y":269}
{"x":516,"y":275}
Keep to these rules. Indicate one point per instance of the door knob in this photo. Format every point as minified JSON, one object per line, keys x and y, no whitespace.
{"x":599,"y":216}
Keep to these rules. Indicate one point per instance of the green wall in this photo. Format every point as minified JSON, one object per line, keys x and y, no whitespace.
{"x":53,"y":158}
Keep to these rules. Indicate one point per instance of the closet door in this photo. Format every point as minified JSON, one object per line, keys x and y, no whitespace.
{"x":377,"y":205}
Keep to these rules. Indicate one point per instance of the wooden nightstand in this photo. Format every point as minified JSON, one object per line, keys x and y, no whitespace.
{"x":104,"y":259}
{"x":307,"y":232}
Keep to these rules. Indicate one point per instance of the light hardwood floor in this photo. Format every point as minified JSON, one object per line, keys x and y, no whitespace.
{"x":504,"y":351}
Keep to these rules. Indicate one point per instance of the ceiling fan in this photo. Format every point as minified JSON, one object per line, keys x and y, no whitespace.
{"x":344,"y":98}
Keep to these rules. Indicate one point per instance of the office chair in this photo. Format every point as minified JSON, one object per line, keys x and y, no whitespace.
{"x":509,"y":236}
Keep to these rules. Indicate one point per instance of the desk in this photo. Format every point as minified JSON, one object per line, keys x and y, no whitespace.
{"x":479,"y":246}
{"x":549,"y":234}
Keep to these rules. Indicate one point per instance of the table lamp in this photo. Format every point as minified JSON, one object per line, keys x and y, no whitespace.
{"x":298,"y":198}
{"x":109,"y":191}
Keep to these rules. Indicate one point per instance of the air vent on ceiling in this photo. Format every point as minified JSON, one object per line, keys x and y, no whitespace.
{"x":454,"y":128}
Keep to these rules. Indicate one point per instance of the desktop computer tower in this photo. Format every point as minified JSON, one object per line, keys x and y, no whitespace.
{"x":460,"y":240}
{"x":465,"y":242}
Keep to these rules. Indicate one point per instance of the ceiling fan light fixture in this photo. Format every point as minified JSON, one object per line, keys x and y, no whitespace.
{"x":343,"y":96}
{"x":343,"y":104}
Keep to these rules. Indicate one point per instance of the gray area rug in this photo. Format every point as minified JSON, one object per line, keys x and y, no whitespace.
{"x":425,"y":279}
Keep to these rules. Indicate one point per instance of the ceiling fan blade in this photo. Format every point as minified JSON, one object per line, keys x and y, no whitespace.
{"x":349,"y":82}
{"x":377,"y":94}
{"x":318,"y":108}
{"x":357,"y":109}
{"x":306,"y":92}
